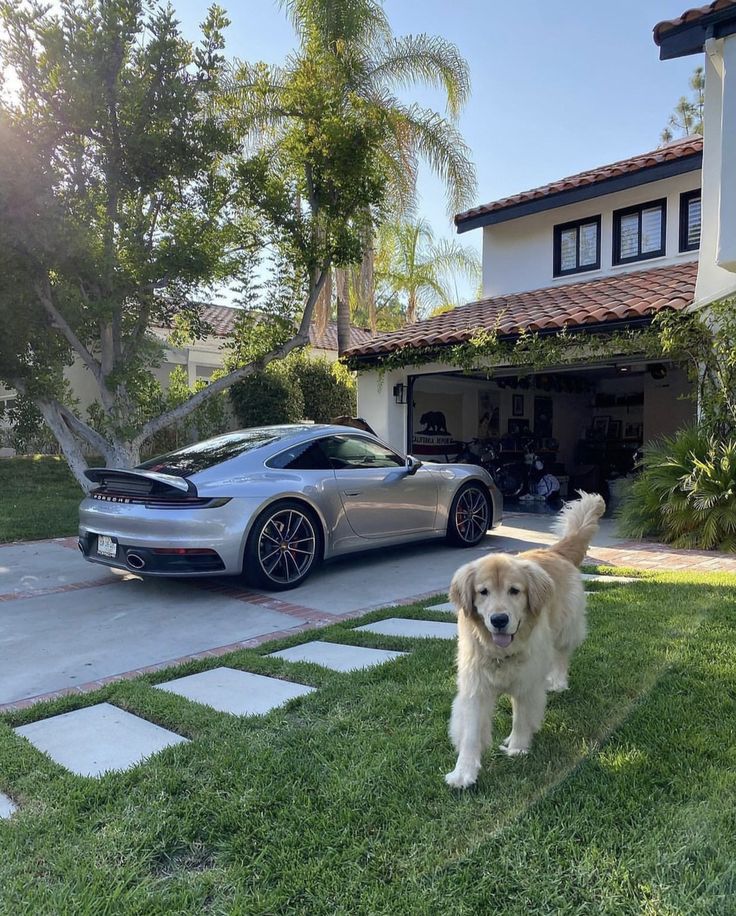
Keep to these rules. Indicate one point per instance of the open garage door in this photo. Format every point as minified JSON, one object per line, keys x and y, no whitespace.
{"x":583,"y":426}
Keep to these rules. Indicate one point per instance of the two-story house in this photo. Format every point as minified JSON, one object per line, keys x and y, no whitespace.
{"x":597,"y":252}
{"x":601,"y":251}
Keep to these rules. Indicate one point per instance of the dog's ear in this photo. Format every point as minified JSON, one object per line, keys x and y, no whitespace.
{"x":462,"y":590}
{"x":539,"y":587}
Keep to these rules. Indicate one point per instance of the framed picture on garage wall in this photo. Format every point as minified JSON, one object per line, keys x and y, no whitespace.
{"x":489,"y":411}
{"x":543,"y":417}
{"x":517,"y":405}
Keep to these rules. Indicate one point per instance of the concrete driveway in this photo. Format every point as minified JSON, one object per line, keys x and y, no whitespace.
{"x":68,"y":625}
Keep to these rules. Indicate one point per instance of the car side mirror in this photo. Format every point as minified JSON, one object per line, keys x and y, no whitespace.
{"x":412,"y":465}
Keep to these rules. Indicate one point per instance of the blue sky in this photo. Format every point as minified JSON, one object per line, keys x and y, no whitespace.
{"x":557,"y":87}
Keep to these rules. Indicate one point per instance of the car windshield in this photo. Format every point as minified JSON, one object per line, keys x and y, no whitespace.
{"x":203,"y":455}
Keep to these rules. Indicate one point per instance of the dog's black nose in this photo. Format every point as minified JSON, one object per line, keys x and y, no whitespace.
{"x":499,"y":621}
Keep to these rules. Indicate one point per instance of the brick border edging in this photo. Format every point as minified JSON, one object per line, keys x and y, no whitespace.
{"x":318,"y":621}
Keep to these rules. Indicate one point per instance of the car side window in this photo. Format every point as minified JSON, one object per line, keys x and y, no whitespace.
{"x":305,"y":456}
{"x":348,"y":452}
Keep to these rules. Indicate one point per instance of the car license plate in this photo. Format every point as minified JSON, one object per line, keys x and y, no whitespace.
{"x":106,"y":546}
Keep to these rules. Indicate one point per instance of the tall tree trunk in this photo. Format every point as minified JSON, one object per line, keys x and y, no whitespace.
{"x":323,"y":308}
{"x":367,"y":283}
{"x":70,"y":445}
{"x":411,"y":308}
{"x":343,"y":310}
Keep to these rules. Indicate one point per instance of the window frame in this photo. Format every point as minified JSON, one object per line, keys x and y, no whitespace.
{"x":639,"y":209}
{"x":685,"y":199}
{"x":557,"y":270}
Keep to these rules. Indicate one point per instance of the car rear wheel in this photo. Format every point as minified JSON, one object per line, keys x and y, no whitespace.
{"x":283,"y":546}
{"x":470,"y":515}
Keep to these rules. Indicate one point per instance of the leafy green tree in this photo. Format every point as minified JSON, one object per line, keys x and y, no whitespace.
{"x":379,"y":67}
{"x":687,"y":117}
{"x":110,"y":205}
{"x":419,"y":270}
{"x":133,"y":178}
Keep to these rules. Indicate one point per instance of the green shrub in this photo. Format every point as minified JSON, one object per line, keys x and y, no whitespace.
{"x":328,"y":388}
{"x":686,"y":493}
{"x":293,"y":389}
{"x":273,"y":396}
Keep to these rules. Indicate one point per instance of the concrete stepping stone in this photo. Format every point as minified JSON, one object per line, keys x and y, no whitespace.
{"x":445,"y":606}
{"x":240,"y":693}
{"x":416,"y":629}
{"x":336,"y":656}
{"x":7,"y":807}
{"x":97,"y":739}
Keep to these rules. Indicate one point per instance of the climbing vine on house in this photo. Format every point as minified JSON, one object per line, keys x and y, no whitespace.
{"x":488,"y":349}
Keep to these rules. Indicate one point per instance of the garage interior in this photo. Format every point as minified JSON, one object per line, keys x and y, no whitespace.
{"x":585,"y":424}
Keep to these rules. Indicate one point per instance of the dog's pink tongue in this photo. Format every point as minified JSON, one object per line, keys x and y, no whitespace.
{"x":502,"y":640}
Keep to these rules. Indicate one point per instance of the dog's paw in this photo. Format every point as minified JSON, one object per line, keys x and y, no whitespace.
{"x":505,"y":742}
{"x":512,"y":750}
{"x":557,"y":684}
{"x":461,"y":777}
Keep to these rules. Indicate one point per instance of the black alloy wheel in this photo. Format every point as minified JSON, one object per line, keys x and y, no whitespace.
{"x":283,"y":547}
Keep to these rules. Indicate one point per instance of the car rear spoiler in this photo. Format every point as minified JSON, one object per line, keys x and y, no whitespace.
{"x":139,"y":482}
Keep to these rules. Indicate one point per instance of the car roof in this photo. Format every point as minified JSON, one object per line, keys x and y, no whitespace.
{"x":310,"y":430}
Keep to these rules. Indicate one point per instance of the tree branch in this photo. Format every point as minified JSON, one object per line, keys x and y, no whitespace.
{"x":300,"y":339}
{"x":43,"y":291}
{"x":49,"y":409}
{"x":84,"y":430}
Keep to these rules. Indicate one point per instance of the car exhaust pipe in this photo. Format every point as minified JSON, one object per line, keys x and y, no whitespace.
{"x":135,"y":560}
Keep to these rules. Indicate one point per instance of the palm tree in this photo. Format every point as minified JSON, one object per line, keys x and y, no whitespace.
{"x":420,"y":270}
{"x":379,"y":67}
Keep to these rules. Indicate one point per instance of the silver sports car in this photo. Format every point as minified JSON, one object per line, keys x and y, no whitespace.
{"x":272,"y":502}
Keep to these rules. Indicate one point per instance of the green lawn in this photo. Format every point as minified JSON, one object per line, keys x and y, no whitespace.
{"x":336,"y":803}
{"x":40,"y":499}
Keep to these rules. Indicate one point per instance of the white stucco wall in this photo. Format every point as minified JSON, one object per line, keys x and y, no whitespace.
{"x":717,"y":263}
{"x":518,"y":254}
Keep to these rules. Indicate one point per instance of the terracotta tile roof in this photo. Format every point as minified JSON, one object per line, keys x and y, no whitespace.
{"x":623,"y":297}
{"x":328,"y":339}
{"x":678,"y":149}
{"x":222,"y":320}
{"x":220,"y":317}
{"x":690,"y":17}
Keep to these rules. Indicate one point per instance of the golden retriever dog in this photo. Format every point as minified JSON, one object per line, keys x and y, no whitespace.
{"x":519,"y":621}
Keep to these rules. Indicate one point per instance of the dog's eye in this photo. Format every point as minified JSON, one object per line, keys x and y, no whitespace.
{"x":484,"y":591}
{"x":513,"y":590}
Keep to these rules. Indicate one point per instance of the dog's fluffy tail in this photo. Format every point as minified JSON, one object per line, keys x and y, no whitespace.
{"x":577,"y":524}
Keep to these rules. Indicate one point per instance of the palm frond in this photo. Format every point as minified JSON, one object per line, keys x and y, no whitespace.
{"x":453,"y":258}
{"x":362,"y":23}
{"x":427,"y":59}
{"x":439,"y":143}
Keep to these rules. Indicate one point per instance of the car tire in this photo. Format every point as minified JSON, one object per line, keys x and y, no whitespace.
{"x":471,"y":515}
{"x":284,"y":546}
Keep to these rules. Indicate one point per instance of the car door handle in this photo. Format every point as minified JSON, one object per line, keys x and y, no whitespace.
{"x":352,"y":492}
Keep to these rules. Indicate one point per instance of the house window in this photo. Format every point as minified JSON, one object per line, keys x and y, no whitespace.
{"x":577,"y":246}
{"x":690,"y":221}
{"x":639,"y":232}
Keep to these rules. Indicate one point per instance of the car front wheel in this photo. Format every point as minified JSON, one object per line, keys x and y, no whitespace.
{"x":283,"y":547}
{"x":470,"y":515}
